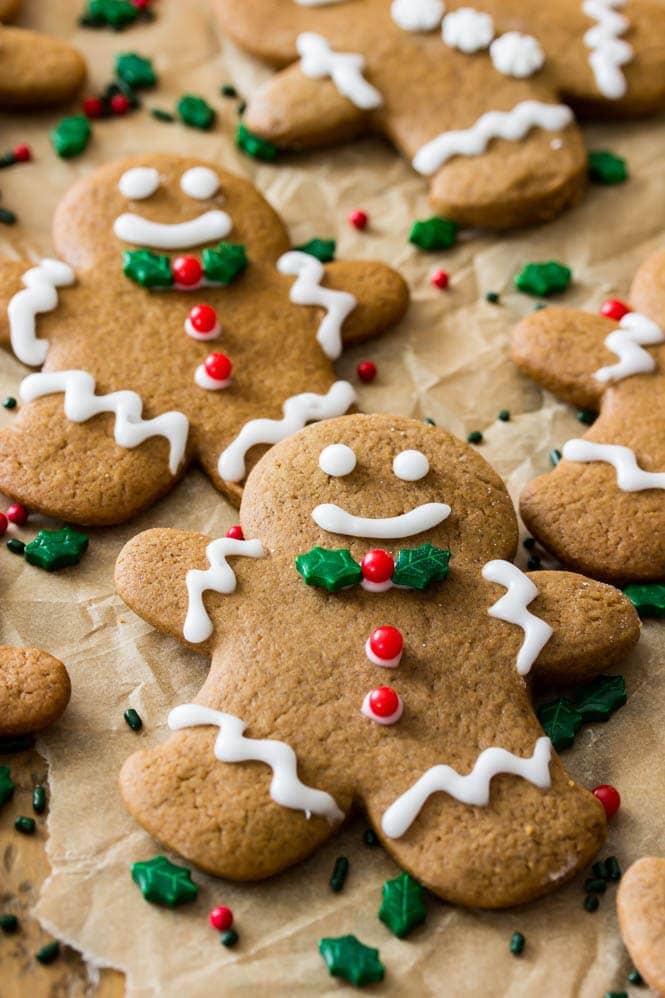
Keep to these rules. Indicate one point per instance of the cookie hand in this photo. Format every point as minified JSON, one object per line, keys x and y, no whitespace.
{"x":381,"y":293}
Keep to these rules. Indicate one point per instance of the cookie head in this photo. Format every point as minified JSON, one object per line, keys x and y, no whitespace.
{"x":379,"y":481}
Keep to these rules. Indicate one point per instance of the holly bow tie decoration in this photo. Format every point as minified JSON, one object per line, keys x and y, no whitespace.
{"x":414,"y":568}
{"x":219,"y":265}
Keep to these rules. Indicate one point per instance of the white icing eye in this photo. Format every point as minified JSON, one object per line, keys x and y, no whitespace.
{"x":410,"y":465}
{"x":200,"y":182}
{"x":138,"y":183}
{"x":337,"y":460}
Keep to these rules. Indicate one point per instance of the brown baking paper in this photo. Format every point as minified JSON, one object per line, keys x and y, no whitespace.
{"x":448,"y":360}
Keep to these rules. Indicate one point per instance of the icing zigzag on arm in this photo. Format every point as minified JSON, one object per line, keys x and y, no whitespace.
{"x":318,"y":61}
{"x":513,"y":609}
{"x":608,"y":51}
{"x":38,"y":295}
{"x":220,"y":577}
{"x":635,"y":332}
{"x":307,"y":290}
{"x":630,"y":477}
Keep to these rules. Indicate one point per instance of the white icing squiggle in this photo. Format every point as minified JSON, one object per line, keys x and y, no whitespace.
{"x":608,"y":51}
{"x":130,"y":429}
{"x":141,"y":231}
{"x":220,"y":577}
{"x":286,"y":788}
{"x":336,"y":520}
{"x":298,"y":411}
{"x":513,"y":609}
{"x":474,"y":788}
{"x":38,"y":295}
{"x":417,"y":15}
{"x":307,"y":290}
{"x":630,"y":477}
{"x":345,"y":69}
{"x":626,"y":342}
{"x":511,"y":125}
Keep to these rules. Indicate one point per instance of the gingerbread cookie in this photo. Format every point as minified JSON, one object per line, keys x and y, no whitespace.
{"x":34,"y":690}
{"x":476,"y":99}
{"x":602,"y":509}
{"x":395,"y":681}
{"x":35,"y":70}
{"x":202,"y":349}
{"x":641,"y":910}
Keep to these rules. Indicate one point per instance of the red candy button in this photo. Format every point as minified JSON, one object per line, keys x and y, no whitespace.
{"x":383,"y":705}
{"x":377,"y":567}
{"x":120,"y":104}
{"x":613,"y":308}
{"x":359,"y":219}
{"x":17,"y":514}
{"x":221,"y":918}
{"x":93,"y":107}
{"x":3,"y":523}
{"x":235,"y":533}
{"x":439,"y":279}
{"x":366,"y":370}
{"x":384,"y":646}
{"x":203,"y":318}
{"x":187,"y":270}
{"x":22,"y":153}
{"x":609,"y":797}
{"x":218,"y":366}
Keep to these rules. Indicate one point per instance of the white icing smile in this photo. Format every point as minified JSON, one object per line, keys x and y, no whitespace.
{"x":140,"y":231}
{"x":336,"y":520}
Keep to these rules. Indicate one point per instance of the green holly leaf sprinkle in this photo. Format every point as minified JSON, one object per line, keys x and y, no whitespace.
{"x":561,"y":720}
{"x":543,"y":278}
{"x":329,"y":570}
{"x":224,"y":262}
{"x":195,"y":112}
{"x":648,"y":600}
{"x":135,"y":70}
{"x":114,"y":13}
{"x":54,"y":549}
{"x":606,"y":168}
{"x":402,"y":907}
{"x":162,"y":882}
{"x":347,"y":957}
{"x":254,"y":146}
{"x":418,"y":567}
{"x":598,"y":700}
{"x":150,"y":270}
{"x":322,"y":249}
{"x":433,"y":234}
{"x":71,"y":136}
{"x":7,"y":785}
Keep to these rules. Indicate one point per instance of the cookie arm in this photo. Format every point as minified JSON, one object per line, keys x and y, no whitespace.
{"x":381,"y":293}
{"x":11,"y":272}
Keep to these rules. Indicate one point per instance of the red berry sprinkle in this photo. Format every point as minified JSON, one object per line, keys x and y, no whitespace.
{"x":187,"y":270}
{"x":3,"y":523}
{"x":17,"y":514}
{"x":203,"y":318}
{"x":221,"y":918}
{"x":235,"y":533}
{"x":93,"y":107}
{"x":377,"y":566}
{"x":366,"y":370}
{"x":386,"y":642}
{"x":440,"y":279}
{"x":218,"y":366}
{"x":120,"y":104}
{"x":609,"y":797}
{"x":614,"y":309}
{"x":22,"y":153}
{"x":383,"y":701}
{"x":359,"y":219}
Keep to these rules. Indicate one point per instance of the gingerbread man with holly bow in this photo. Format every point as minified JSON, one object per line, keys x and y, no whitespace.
{"x":473,"y":98}
{"x":155,"y":355}
{"x":602,"y":509}
{"x":352,"y":666}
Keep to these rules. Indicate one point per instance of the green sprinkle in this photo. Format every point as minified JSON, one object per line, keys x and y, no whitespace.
{"x":225,"y":262}
{"x":71,"y":136}
{"x":39,"y":799}
{"x":15,"y":546}
{"x":329,"y":570}
{"x":370,"y":838}
{"x":475,"y":437}
{"x":648,"y":600}
{"x":7,"y":159}
{"x":229,"y":938}
{"x":135,"y":71}
{"x":615,"y":994}
{"x":492,"y":297}
{"x":599,"y":699}
{"x":7,"y":785}
{"x":504,"y":415}
{"x":339,"y":874}
{"x":7,"y":217}
{"x":607,"y":168}
{"x":17,"y":744}
{"x":543,"y":278}
{"x":598,"y":869}
{"x":347,"y":957}
{"x":430,"y":422}
{"x":555,"y":457}
{"x":9,"y":402}
{"x":163,"y":882}
{"x":586,"y":417}
{"x":561,"y":721}
{"x":529,"y":543}
{"x":242,"y":107}
{"x":115,"y":14}
{"x":24,"y":825}
{"x":254,"y":146}
{"x":150,"y":270}
{"x":595,"y":885}
{"x":133,"y":720}
{"x":635,"y":978}
{"x":591,"y":903}
{"x":195,"y":112}
{"x":612,"y":868}
{"x":8,"y":924}
{"x":322,"y":249}
{"x":433,"y":234}
{"x":49,"y":953}
{"x":539,"y":306}
{"x":160,"y":115}
{"x":533,"y":563}
{"x":228,"y":90}
{"x":55,"y":549}
{"x":402,"y":907}
{"x":517,"y":942}
{"x":419,"y":567}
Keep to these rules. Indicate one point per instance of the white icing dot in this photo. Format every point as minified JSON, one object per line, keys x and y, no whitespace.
{"x":468,"y":30}
{"x":518,"y":55}
{"x":200,"y":182}
{"x":138,"y":183}
{"x":417,"y":15}
{"x":337,"y":460}
{"x":410,"y":465}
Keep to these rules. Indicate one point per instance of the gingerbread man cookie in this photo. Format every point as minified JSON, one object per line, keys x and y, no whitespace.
{"x":476,"y":97}
{"x":164,"y":343}
{"x":35,"y":70}
{"x":641,"y":911}
{"x":602,"y":509}
{"x":34,"y":690}
{"x":351,"y":665}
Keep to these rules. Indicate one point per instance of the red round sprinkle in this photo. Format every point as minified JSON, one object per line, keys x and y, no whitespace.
{"x":141,"y":4}
{"x":383,"y":701}
{"x":187,"y":270}
{"x":93,"y":107}
{"x":235,"y":532}
{"x":377,"y":566}
{"x":609,"y":797}
{"x":3,"y":523}
{"x":439,"y":279}
{"x":366,"y":370}
{"x":613,"y":308}
{"x":218,"y":366}
{"x":359,"y":219}
{"x":17,"y":514}
{"x":120,"y":104}
{"x":203,"y":318}
{"x":221,"y":918}
{"x":386,"y":642}
{"x":22,"y":153}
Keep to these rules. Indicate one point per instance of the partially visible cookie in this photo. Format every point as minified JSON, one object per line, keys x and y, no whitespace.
{"x":641,"y":910}
{"x":34,"y":690}
{"x":35,"y":70}
{"x":9,"y":9}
